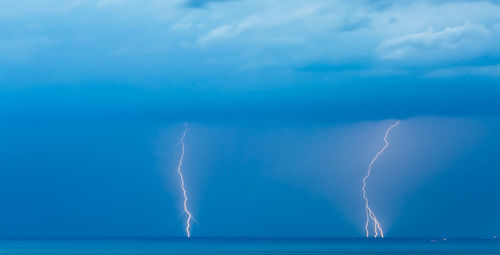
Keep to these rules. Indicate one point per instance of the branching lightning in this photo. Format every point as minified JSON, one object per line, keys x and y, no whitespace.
{"x":179,"y":167}
{"x":370,"y":215}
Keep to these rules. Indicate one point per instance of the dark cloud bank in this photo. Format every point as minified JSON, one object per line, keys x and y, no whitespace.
{"x":372,"y":99}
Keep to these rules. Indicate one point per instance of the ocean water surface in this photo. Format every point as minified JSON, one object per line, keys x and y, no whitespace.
{"x":252,"y":246}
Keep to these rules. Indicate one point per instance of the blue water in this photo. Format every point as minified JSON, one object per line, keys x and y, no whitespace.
{"x":252,"y":246}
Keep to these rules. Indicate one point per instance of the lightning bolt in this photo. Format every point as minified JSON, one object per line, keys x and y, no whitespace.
{"x":184,"y":193}
{"x":370,"y":215}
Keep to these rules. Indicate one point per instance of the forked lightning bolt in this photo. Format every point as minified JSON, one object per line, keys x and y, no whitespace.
{"x":370,"y":215}
{"x":179,"y":171}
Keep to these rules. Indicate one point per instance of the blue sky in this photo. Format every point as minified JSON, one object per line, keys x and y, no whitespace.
{"x":280,"y":98}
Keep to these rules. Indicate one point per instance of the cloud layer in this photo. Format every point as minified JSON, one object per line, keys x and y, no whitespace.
{"x":232,"y":48}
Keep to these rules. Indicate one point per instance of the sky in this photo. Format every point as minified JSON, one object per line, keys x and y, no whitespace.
{"x":285,"y":103}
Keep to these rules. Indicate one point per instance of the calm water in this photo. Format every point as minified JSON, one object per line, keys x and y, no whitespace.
{"x":254,"y":246}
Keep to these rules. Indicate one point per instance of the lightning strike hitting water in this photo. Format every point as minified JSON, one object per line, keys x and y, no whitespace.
{"x":370,"y":215}
{"x":179,"y":167}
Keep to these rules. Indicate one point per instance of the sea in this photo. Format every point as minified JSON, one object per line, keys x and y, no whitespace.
{"x":250,"y":246}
